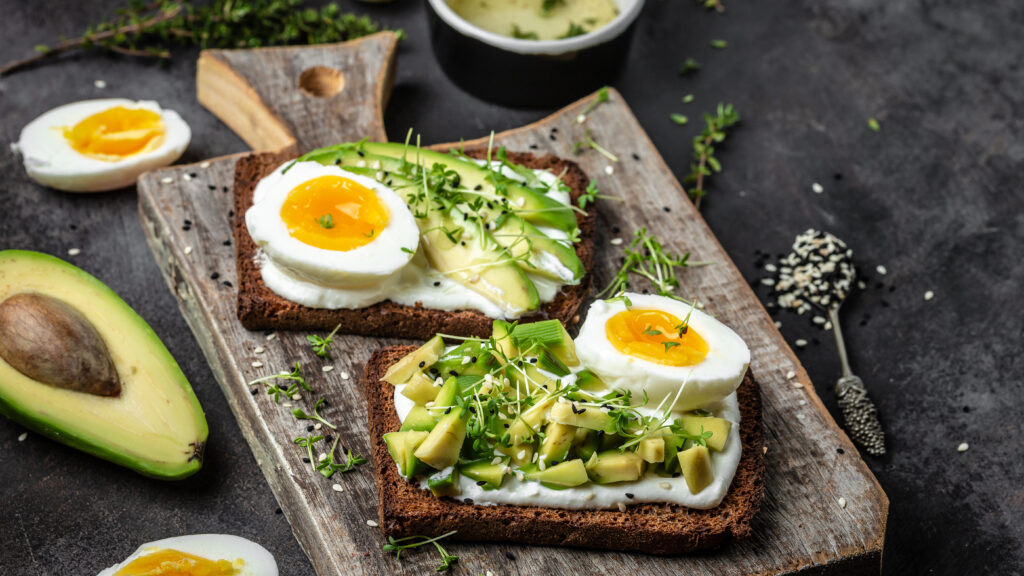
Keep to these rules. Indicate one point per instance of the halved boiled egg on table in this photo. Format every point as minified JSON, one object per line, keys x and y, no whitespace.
{"x":197,"y":555}
{"x":663,"y":348}
{"x":98,"y":145}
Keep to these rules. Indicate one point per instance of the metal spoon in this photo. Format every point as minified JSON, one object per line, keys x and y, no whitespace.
{"x":860,"y":415}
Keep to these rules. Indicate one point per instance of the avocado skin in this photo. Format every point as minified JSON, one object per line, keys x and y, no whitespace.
{"x":23,"y":416}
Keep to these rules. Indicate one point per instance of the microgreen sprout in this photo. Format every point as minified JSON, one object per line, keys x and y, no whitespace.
{"x":322,"y":345}
{"x":275,"y":390}
{"x":327,"y":467}
{"x":588,"y":142}
{"x":301,"y":415}
{"x":397,"y":545}
{"x":646,"y":257}
{"x":689,"y":65}
{"x":307,"y":442}
{"x":326,"y":221}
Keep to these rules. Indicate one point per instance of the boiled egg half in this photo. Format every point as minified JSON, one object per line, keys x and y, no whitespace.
{"x":98,"y":145}
{"x":197,"y":555}
{"x":675,"y":354}
{"x":332,"y":227}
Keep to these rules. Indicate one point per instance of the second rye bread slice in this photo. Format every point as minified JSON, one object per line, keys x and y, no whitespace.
{"x":261,"y":309}
{"x":404,"y":509}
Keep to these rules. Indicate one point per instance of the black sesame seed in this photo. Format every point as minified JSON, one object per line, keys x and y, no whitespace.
{"x":472,"y":359}
{"x":224,"y":188}
{"x":666,"y":208}
{"x":309,"y":428}
{"x":423,"y":363}
{"x":211,"y":186}
{"x":453,"y":372}
{"x":228,"y":284}
{"x":967,"y":408}
{"x":226,"y":242}
{"x":468,"y":500}
{"x":328,"y":438}
{"x":837,"y":176}
{"x":278,"y":511}
{"x":510,"y":556}
{"x":840,"y":451}
{"x":254,"y":391}
{"x":231,"y":213}
{"x":448,"y":410}
{"x":615,"y":229}
{"x":215,"y":275}
{"x":636,"y":156}
{"x":193,"y":175}
{"x":337,"y":161}
{"x":505,"y":425}
{"x":304,"y":459}
{"x":481,"y":482}
{"x":552,"y":137}
{"x":73,"y":227}
{"x":533,"y":360}
{"x":437,"y":283}
{"x":554,"y":129}
{"x":629,"y":495}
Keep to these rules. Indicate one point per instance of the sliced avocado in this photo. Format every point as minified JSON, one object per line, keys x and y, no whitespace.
{"x":536,"y":207}
{"x":589,"y":445}
{"x":502,"y":335}
{"x":542,"y":255}
{"x":446,"y":396}
{"x":441,"y":447}
{"x":565,"y":475}
{"x":420,"y":388}
{"x":589,"y":381}
{"x":488,"y":475}
{"x":695,"y":462}
{"x":652,"y":449}
{"x":108,"y":386}
{"x":550,"y":334}
{"x":557,"y":442}
{"x":419,"y":418}
{"x":588,"y":417}
{"x":402,"y":447}
{"x":697,"y":425}
{"x":444,"y":482}
{"x":613,"y":466}
{"x":529,"y":422}
{"x":454,"y":362}
{"x":401,"y":371}
{"x":673,"y":444}
{"x":519,"y":454}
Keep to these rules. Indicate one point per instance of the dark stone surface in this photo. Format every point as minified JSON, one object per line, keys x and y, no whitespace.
{"x":935,"y":196}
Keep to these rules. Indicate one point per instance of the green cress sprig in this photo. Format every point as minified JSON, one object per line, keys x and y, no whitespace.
{"x":275,"y":389}
{"x":151,"y":29}
{"x":301,"y":415}
{"x":715,"y":5}
{"x":589,"y":142}
{"x":322,"y":346}
{"x":400,"y":544}
{"x":327,"y":466}
{"x":704,"y":149}
{"x":646,"y":257}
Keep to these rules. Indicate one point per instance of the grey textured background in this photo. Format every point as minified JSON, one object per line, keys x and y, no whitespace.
{"x":936,"y":197}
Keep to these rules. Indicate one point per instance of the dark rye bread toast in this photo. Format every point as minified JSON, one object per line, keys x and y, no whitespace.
{"x":261,"y":309}
{"x":406,"y":510}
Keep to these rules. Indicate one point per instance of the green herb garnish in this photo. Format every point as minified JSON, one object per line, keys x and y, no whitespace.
{"x":689,"y":65}
{"x":874,"y":125}
{"x":652,"y":332}
{"x":588,"y":142}
{"x":574,"y":30}
{"x":301,"y":415}
{"x":548,"y":5}
{"x":719,"y":44}
{"x":704,"y":149}
{"x":668,"y":344}
{"x":679,"y":119}
{"x":715,"y":5}
{"x":399,"y":544}
{"x":688,"y":98}
{"x":322,"y":346}
{"x":522,"y":34}
{"x":276,"y":390}
{"x":307,"y":442}
{"x":326,"y":221}
{"x":646,"y":257}
{"x":327,"y":467}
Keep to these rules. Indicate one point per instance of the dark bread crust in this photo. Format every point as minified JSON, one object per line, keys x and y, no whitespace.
{"x":261,"y":309}
{"x":664,"y":529}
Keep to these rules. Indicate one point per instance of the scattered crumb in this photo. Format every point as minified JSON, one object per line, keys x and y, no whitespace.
{"x":166,"y":180}
{"x":800,"y":343}
{"x":764,"y":450}
{"x":371,"y":523}
{"x":188,"y":250}
{"x":665,"y":485}
{"x":257,"y":364}
{"x":818,"y":189}
{"x":622,"y":506}
{"x":929,"y":295}
{"x":23,"y":436}
{"x":100,"y":84}
{"x":337,"y":488}
{"x":609,"y":170}
{"x":962,"y":447}
{"x":74,"y":252}
{"x":615,"y":241}
{"x":881,"y":270}
{"x":327,"y":368}
{"x":204,"y":165}
{"x":842,"y":502}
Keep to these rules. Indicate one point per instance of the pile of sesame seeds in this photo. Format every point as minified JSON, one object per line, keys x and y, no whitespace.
{"x":819,"y":272}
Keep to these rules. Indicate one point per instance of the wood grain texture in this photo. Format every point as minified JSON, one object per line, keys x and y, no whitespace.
{"x":810,"y":463}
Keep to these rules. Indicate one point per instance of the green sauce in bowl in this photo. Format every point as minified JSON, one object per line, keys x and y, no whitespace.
{"x":537,"y":19}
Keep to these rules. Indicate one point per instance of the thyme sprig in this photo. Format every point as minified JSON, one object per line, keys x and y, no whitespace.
{"x":397,"y":545}
{"x":704,"y":144}
{"x":300,"y":414}
{"x":322,"y":345}
{"x":151,"y":29}
{"x":646,"y":257}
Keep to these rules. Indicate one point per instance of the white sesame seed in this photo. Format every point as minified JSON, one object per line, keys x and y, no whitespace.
{"x":337,"y":488}
{"x":665,"y":485}
{"x":800,"y":416}
{"x":258,"y":350}
{"x":622,"y":506}
{"x":520,"y":476}
{"x":803,"y":402}
{"x":581,"y":118}
{"x":778,"y":324}
{"x":796,"y":384}
{"x":790,"y":375}
{"x":166,"y":180}
{"x":74,"y":252}
{"x":23,"y":436}
{"x":188,"y":250}
{"x":861,"y":285}
{"x":489,"y":573}
{"x":372,"y":523}
{"x":768,"y":281}
{"x":842,"y":502}
{"x":962,"y":447}
{"x":321,"y":458}
{"x":929,"y":295}
{"x":615,"y":241}
{"x":770,"y":268}
{"x":327,"y":368}
{"x":345,"y":375}
{"x":317,"y":426}
{"x":186,"y":177}
{"x":818,"y":189}
{"x":296,"y":396}
{"x":800,"y":343}
{"x":588,"y":496}
{"x":271,"y":337}
{"x":257,"y":364}
{"x":100,"y":84}
{"x":881,"y":269}
{"x":542,"y":465}
{"x":496,"y":461}
{"x":609,"y":170}
{"x":204,"y":165}
{"x":819,"y":320}
{"x":287,"y":404}
{"x":466,"y":360}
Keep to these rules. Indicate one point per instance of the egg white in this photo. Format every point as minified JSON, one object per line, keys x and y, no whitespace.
{"x":360,"y":268}
{"x":50,"y":160}
{"x":255,"y":559}
{"x":708,"y":381}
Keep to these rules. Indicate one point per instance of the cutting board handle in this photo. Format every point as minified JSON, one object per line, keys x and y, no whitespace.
{"x":303,"y":97}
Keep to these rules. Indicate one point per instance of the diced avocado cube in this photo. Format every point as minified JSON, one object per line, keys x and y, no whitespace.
{"x":589,"y":417}
{"x":565,"y":475}
{"x":530,"y":422}
{"x":613,"y":466}
{"x":673,"y":444}
{"x":420,"y":388}
{"x":519,"y":454}
{"x":695,"y":462}
{"x":557,"y":442}
{"x":419,"y":359}
{"x":588,"y":381}
{"x":444,"y":482}
{"x":402,"y":446}
{"x":487,"y":475}
{"x":719,"y":428}
{"x":502,"y":335}
{"x":446,"y":396}
{"x":455,"y":363}
{"x":652,"y":449}
{"x":419,"y":418}
{"x":529,"y":379}
{"x":441,"y":447}
{"x":590,"y":444}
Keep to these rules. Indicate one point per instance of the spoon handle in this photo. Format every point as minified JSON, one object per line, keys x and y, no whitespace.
{"x":860,"y":416}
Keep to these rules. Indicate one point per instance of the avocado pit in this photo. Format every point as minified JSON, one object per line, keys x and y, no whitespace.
{"x":51,"y":342}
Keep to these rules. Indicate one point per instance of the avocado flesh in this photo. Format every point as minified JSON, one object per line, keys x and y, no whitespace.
{"x":652,"y":450}
{"x":420,"y":389}
{"x":587,"y":417}
{"x":489,"y":476}
{"x":502,"y":334}
{"x":402,"y":447}
{"x":719,"y":428}
{"x":695,"y":462}
{"x":401,"y":371}
{"x":614,"y":466}
{"x":545,"y":256}
{"x":557,"y":442}
{"x":565,"y":475}
{"x":519,"y":454}
{"x":444,"y":482}
{"x":441,"y":447}
{"x":529,"y":422}
{"x":155,"y":426}
{"x":419,"y":418}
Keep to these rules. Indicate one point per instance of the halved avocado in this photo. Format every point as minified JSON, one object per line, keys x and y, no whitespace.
{"x":150,"y":422}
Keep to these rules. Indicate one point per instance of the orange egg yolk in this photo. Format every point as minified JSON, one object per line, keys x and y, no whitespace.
{"x":334,"y":213}
{"x":656,"y":336}
{"x":117,"y":133}
{"x":172,"y":562}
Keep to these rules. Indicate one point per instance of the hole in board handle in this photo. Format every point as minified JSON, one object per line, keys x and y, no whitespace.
{"x":321,"y":81}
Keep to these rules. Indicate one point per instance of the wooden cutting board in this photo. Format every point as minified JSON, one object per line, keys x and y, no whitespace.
{"x":306,"y":97}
